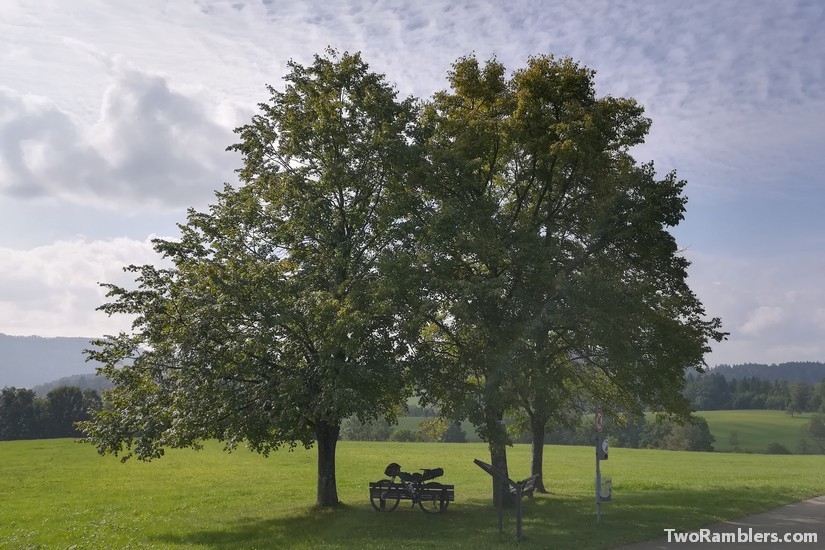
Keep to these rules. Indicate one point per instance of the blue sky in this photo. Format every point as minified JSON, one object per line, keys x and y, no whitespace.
{"x":114,"y":117}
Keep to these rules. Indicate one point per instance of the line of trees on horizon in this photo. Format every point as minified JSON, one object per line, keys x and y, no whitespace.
{"x":812,"y":372}
{"x":637,"y":433}
{"x":23,"y":415}
{"x":713,"y":391}
{"x":633,"y":433}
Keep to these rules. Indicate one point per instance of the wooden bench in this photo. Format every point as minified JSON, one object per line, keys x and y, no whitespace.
{"x":525,"y":487}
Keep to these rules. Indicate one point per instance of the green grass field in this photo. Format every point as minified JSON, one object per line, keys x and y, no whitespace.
{"x":755,"y":430}
{"x":60,"y":494}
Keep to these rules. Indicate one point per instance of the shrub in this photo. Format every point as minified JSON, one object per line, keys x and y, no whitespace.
{"x":403,"y":434}
{"x":454,"y":434}
{"x":353,"y":429}
{"x":777,"y":449}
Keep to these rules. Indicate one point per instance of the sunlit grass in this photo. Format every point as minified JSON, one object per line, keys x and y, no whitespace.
{"x":58,"y":493}
{"x":755,"y":430}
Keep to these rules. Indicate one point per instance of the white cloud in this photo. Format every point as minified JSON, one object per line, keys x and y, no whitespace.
{"x":53,"y":290}
{"x":773,"y":310}
{"x":763,"y":317}
{"x":718,"y":87}
{"x":150,"y":147}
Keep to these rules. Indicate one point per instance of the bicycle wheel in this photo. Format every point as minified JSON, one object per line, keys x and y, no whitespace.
{"x":438,"y":503}
{"x":380,"y":497}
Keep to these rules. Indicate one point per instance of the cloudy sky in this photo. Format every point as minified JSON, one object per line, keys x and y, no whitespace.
{"x":115,"y":116}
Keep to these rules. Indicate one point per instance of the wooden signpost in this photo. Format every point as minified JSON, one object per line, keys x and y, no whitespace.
{"x":516,"y":489}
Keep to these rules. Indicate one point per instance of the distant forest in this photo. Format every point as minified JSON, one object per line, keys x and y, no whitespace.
{"x":791,"y":387}
{"x":24,"y":415}
{"x":806,"y":371}
{"x":50,"y":410}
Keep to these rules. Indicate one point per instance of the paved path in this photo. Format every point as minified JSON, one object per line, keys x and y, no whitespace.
{"x":802,"y":517}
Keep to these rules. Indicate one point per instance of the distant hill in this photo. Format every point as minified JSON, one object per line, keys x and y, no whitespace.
{"x":807,"y":371}
{"x":26,"y":361}
{"x":82,"y":381}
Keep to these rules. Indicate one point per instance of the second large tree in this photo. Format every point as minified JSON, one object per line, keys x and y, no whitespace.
{"x":545,"y":251}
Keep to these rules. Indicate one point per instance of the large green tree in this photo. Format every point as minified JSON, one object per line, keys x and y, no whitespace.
{"x":545,"y":252}
{"x":275,"y":320}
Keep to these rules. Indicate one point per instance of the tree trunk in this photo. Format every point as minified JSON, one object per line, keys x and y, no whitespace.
{"x":537,"y":426}
{"x":501,"y":489}
{"x":326,"y":435}
{"x":498,"y":457}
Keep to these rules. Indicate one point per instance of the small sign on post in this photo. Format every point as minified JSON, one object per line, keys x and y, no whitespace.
{"x":606,"y":492}
{"x":602,"y":494}
{"x":601,"y":447}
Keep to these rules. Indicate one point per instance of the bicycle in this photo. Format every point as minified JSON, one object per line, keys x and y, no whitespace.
{"x":432,"y":498}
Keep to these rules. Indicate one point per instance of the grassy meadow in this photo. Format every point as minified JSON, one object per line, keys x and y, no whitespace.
{"x":753,"y":431}
{"x":60,"y":494}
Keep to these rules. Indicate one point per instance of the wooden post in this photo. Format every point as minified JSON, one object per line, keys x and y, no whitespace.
{"x":598,"y":487}
{"x":500,"y":510}
{"x":505,"y":483}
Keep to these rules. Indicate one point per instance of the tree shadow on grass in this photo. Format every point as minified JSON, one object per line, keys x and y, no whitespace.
{"x":550,"y":521}
{"x":357,"y":526}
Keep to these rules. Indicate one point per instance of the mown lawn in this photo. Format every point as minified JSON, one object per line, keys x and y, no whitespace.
{"x":59,"y":494}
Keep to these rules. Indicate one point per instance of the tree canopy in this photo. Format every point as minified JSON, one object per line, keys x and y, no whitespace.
{"x":274,"y":322}
{"x":545,"y":252}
